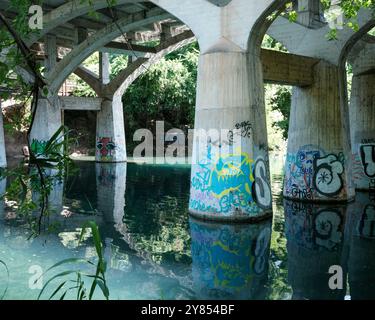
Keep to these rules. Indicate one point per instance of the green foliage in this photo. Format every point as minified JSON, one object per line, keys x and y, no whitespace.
{"x":47,"y":167}
{"x":78,"y":283}
{"x":282,"y":102}
{"x":165,"y":92}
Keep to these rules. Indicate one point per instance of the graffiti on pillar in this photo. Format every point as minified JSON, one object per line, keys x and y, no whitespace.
{"x":312,"y":173}
{"x":328,"y":172}
{"x":227,"y":184}
{"x":244,"y":129}
{"x":261,"y":189}
{"x":300,"y":172}
{"x":106,"y":148}
{"x":327,"y":228}
{"x":366,"y":227}
{"x":38,"y":146}
{"x":367,"y":154}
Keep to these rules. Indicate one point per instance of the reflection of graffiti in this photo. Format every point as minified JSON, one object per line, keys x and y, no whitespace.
{"x":243,"y":129}
{"x":261,"y":189}
{"x":311,"y":227}
{"x":38,"y":146}
{"x":262,"y":245}
{"x":327,"y":226}
{"x":229,"y":261}
{"x":327,"y":175}
{"x":105,"y":148}
{"x":226,"y":185}
{"x":367,"y":153}
{"x":366,"y":226}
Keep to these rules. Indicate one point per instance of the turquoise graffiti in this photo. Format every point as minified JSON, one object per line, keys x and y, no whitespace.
{"x":229,"y":261}
{"x":232,"y":182}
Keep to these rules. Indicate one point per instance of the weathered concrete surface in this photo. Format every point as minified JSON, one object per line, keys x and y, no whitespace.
{"x":81,"y":103}
{"x":3,"y":159}
{"x":47,"y":121}
{"x":317,"y":160}
{"x":362,"y":118}
{"x":287,"y":69}
{"x":110,"y":131}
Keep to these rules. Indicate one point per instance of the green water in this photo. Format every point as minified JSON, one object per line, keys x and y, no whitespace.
{"x":155,"y":251}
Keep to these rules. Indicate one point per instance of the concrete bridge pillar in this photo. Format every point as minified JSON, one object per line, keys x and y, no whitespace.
{"x":48,"y":117}
{"x":3,"y":159}
{"x":110,"y":131}
{"x":318,"y":162}
{"x":230,"y":170}
{"x":47,"y":121}
{"x":362,"y":119}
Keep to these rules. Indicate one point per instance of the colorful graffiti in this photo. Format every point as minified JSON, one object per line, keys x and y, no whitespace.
{"x":232,"y":183}
{"x":106,"y":148}
{"x":312,"y":174}
{"x":38,"y":146}
{"x":229,"y":261}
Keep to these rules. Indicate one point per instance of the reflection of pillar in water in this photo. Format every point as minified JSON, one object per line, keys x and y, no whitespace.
{"x":314,"y":243}
{"x":56,"y":195}
{"x":3,"y":183}
{"x":230,"y":261}
{"x":111,"y":186}
{"x":360,"y":239}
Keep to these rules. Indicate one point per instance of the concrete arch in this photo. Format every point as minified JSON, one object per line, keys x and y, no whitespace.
{"x":67,"y":65}
{"x":127,"y":76}
{"x":298,"y":39}
{"x":229,"y":25}
{"x":69,"y":11}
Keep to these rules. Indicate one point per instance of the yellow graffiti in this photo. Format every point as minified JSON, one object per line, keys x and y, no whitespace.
{"x":236,"y":168}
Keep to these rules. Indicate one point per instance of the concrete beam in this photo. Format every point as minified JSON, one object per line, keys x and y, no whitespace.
{"x":287,"y":69}
{"x":81,"y":103}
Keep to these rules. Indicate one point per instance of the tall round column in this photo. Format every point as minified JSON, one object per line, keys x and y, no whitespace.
{"x":230,"y":170}
{"x":318,"y":158}
{"x":362,"y":121}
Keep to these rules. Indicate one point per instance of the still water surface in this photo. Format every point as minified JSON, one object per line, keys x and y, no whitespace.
{"x":155,"y":251}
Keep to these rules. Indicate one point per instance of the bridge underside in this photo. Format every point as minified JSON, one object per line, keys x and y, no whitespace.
{"x":226,"y":184}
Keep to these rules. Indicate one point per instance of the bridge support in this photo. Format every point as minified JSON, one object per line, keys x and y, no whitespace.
{"x":230,"y":170}
{"x":110,"y":131}
{"x":230,"y":176}
{"x":362,"y":120}
{"x":47,"y":121}
{"x":3,"y":159}
{"x":318,"y":162}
